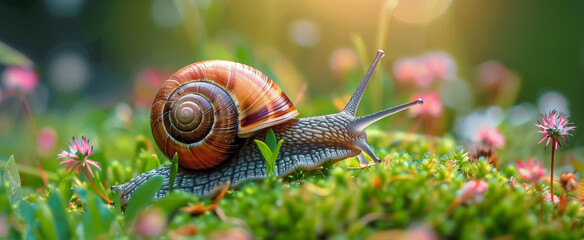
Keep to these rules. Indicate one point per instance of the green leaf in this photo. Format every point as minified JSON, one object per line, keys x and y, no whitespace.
{"x":9,"y":56}
{"x":141,"y":197}
{"x":65,"y":189}
{"x":173,"y":171}
{"x":264,"y":149}
{"x":12,"y":177}
{"x":141,"y":145}
{"x":97,"y":218}
{"x":60,"y":215}
{"x":271,"y":139}
{"x":276,"y":151}
{"x":45,"y":220}
{"x":152,"y":163}
{"x":267,"y":154}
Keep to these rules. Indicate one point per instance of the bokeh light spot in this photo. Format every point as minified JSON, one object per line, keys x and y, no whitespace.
{"x":68,"y":71}
{"x":305,"y":33}
{"x":64,"y":8}
{"x":553,"y":101}
{"x":166,"y":14}
{"x":343,"y":60}
{"x":456,"y":94}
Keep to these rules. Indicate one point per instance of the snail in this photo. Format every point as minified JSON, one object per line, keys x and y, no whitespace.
{"x":211,"y":112}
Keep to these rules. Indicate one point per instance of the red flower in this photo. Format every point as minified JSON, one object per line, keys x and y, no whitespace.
{"x":78,"y":156}
{"x":530,"y":170}
{"x":554,"y":127}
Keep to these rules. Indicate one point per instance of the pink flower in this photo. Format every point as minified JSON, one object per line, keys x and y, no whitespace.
{"x":411,"y":70}
{"x":548,"y":197}
{"x":530,"y":170}
{"x":440,"y":65}
{"x":78,"y":156}
{"x":553,"y":128}
{"x":46,"y":139}
{"x":432,"y":105}
{"x":21,"y":78}
{"x":473,"y":191}
{"x":491,"y":136}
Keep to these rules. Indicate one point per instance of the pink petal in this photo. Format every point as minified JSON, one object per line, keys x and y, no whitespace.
{"x":90,"y":171}
{"x":77,"y":147}
{"x":548,"y":142}
{"x":84,"y":145}
{"x":542,"y":139}
{"x":94,"y":163}
{"x":67,"y":160}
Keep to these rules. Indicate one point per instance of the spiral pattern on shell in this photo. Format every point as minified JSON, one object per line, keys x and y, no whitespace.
{"x":205,"y":110}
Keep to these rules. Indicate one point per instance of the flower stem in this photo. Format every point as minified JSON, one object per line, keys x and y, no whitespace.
{"x":95,"y":187}
{"x":552,"y":172}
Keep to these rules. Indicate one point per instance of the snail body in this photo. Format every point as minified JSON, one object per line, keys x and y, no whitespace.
{"x":249,"y":104}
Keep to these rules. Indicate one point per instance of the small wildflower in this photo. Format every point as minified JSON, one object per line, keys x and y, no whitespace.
{"x":554,"y":126}
{"x":473,"y":191}
{"x":78,"y":156}
{"x":548,"y":197}
{"x":491,"y":136}
{"x":78,"y":159}
{"x":569,"y":182}
{"x":530,"y":170}
{"x":432,"y":105}
{"x":21,"y":78}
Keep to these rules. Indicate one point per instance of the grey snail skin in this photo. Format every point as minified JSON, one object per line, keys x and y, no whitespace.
{"x":210,"y":113}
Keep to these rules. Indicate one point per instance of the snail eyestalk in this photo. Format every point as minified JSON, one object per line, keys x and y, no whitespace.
{"x":361,"y":123}
{"x":352,"y":105}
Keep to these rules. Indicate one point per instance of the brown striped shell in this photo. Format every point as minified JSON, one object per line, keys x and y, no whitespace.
{"x":204,"y":111}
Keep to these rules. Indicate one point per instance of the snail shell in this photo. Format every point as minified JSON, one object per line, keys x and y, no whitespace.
{"x":204,"y":111}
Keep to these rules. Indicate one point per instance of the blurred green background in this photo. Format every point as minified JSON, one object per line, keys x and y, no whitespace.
{"x":95,"y":55}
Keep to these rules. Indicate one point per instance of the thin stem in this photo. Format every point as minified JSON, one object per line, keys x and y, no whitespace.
{"x":552,"y":174}
{"x":554,"y":144}
{"x":95,"y":187}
